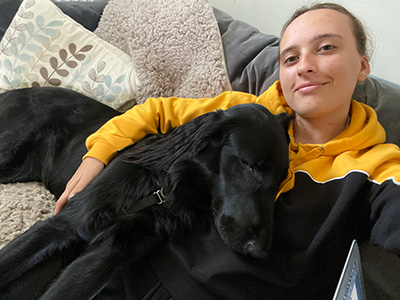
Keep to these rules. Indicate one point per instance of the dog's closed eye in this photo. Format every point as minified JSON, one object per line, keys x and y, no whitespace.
{"x":258,"y":165}
{"x":247,"y":165}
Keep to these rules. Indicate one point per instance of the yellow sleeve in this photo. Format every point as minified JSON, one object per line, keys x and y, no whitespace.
{"x":152,"y":116}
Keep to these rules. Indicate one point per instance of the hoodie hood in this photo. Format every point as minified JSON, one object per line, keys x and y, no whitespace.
{"x":364,"y":131}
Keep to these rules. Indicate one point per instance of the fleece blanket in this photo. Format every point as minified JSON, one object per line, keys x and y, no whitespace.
{"x":177,"y":49}
{"x":21,"y":205}
{"x":175,"y":45}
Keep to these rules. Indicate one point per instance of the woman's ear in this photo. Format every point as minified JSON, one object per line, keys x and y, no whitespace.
{"x":364,"y":70}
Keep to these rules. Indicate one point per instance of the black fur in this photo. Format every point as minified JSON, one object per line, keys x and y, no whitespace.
{"x":225,"y":165}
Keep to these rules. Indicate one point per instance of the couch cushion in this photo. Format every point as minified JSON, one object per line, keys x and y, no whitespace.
{"x":251,"y":56}
{"x":384,"y":98}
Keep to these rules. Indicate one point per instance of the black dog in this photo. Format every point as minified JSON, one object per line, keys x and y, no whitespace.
{"x":225,"y":165}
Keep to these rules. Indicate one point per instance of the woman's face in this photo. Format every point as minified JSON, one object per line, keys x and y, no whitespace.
{"x":320,"y":64}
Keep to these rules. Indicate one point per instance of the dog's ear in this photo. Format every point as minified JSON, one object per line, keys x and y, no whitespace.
{"x":209,"y":134}
{"x":190,"y":180}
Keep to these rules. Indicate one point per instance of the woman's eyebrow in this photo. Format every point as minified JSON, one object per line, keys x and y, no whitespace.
{"x":315,"y":38}
{"x":326,"y":35}
{"x":286,"y":50}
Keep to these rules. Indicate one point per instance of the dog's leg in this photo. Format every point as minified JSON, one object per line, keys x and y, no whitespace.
{"x":124,"y":242}
{"x":36,"y":244}
{"x":86,"y":276}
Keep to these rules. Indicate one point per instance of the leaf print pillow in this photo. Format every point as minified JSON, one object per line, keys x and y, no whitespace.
{"x":45,"y":47}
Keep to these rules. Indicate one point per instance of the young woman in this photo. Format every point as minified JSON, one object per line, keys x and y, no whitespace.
{"x":343,"y":182}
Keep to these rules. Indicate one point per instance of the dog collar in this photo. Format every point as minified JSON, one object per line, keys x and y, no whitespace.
{"x":158,"y":197}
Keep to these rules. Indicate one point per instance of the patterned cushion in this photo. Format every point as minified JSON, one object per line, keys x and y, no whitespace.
{"x":45,"y":47}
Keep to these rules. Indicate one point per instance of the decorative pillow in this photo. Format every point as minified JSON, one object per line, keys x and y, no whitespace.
{"x":45,"y":47}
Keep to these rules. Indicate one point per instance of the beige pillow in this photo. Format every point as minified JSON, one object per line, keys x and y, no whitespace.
{"x":45,"y":47}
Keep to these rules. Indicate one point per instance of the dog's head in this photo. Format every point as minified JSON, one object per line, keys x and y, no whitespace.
{"x":238,"y":159}
{"x":247,"y":152}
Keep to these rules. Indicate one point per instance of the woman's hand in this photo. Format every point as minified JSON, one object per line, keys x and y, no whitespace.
{"x":87,"y":171}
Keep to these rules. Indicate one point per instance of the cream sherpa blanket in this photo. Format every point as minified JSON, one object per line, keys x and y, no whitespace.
{"x":175,"y":44}
{"x":21,"y":205}
{"x":177,"y":48}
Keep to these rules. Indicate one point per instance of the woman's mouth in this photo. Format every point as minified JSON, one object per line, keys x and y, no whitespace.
{"x":308,"y":87}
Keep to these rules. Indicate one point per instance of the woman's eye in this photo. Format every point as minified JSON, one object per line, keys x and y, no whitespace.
{"x":327,"y":47}
{"x":290,"y":59}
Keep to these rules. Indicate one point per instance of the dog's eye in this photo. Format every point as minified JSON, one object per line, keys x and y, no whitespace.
{"x":248,"y":165}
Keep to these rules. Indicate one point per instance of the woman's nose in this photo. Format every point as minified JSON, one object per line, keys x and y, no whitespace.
{"x":306,"y":65}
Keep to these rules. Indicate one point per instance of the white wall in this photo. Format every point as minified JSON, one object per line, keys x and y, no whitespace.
{"x":381,"y":19}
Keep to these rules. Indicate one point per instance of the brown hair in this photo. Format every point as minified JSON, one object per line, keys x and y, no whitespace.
{"x":358,"y":28}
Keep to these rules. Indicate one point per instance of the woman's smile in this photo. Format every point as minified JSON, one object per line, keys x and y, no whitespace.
{"x":309,"y":87}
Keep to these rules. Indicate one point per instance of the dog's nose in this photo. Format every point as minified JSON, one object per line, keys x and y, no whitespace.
{"x":255,"y":250}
